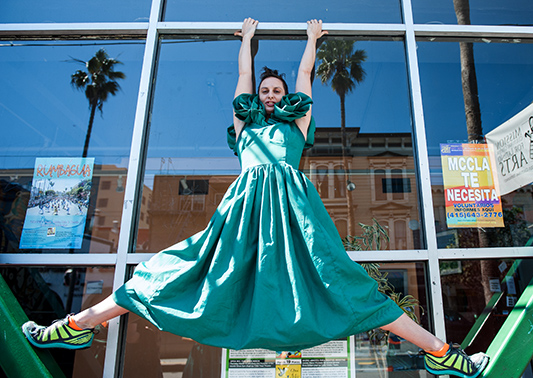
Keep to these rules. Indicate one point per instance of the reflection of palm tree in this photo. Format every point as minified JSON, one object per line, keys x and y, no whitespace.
{"x":473,"y":126}
{"x":99,"y":81}
{"x":468,"y":76}
{"x":343,"y":67}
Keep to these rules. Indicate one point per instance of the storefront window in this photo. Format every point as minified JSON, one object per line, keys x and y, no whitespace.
{"x":36,"y":11}
{"x":482,"y":12}
{"x":504,"y":74}
{"x":49,"y":123}
{"x":386,"y":11}
{"x":46,"y":294}
{"x":189,"y":165}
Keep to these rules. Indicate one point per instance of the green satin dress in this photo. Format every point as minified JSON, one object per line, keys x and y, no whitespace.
{"x":270,"y":270}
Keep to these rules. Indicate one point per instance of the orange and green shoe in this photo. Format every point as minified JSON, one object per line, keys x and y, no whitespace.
{"x":57,"y":335}
{"x":456,"y":362}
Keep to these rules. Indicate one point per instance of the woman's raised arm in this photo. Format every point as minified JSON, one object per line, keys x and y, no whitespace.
{"x":245,"y":83}
{"x":303,"y":80}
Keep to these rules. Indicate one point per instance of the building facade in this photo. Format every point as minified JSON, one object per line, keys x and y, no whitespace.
{"x":433,"y":73}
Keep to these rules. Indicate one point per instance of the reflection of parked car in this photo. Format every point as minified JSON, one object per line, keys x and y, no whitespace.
{"x":403,"y":359}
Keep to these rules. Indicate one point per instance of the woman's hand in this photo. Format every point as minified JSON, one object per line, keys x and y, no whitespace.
{"x":314,"y":29}
{"x":248,"y":28}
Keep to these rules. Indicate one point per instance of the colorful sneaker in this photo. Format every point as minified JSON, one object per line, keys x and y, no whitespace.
{"x":57,"y":335}
{"x":455,"y":362}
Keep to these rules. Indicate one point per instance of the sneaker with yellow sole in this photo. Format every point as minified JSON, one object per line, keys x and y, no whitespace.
{"x":456,"y":362}
{"x":57,"y":335}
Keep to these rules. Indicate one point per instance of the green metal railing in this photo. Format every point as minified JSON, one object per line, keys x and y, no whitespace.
{"x":512,"y":349}
{"x":18,"y":358}
{"x":476,"y":330}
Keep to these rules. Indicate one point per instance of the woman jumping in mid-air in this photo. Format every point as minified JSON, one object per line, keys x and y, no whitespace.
{"x":270,"y":270}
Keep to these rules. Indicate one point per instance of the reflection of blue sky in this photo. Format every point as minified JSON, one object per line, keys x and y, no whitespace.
{"x":482,"y":12}
{"x":74,"y":11}
{"x":383,"y":11}
{"x":194,"y":90}
{"x":489,"y":12}
{"x":48,"y":117}
{"x":505,"y":81}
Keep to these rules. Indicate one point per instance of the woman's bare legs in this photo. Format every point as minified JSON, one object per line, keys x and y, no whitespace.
{"x":412,"y":332}
{"x":99,"y":313}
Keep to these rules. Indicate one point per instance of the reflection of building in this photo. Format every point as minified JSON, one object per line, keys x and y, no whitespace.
{"x":182,"y":206}
{"x":381,"y":165}
{"x":109,"y":202}
{"x":103,"y":216}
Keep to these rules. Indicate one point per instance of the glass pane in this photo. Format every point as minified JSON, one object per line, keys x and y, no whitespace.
{"x":504,"y":75}
{"x":47,"y":294}
{"x":374,"y":175}
{"x":381,"y":354}
{"x":47,"y":117}
{"x":151,"y":353}
{"x":482,"y":12}
{"x":74,"y":11}
{"x":386,"y":11}
{"x":478,"y":297}
{"x":189,"y":165}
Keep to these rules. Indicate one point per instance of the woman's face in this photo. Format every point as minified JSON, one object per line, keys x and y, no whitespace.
{"x":270,"y":92}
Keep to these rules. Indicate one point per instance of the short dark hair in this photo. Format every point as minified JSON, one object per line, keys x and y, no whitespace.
{"x":267,"y":72}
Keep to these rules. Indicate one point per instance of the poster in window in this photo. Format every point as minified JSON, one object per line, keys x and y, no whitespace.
{"x":470,"y":186}
{"x":59,"y":199}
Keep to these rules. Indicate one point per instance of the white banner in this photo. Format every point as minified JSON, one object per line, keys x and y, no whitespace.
{"x":513,"y":151}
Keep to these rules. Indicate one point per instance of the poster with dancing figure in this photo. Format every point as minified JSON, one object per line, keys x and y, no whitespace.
{"x":59,"y":199}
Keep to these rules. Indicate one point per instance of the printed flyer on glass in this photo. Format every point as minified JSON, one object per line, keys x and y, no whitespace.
{"x":57,"y":209}
{"x":334,"y":359}
{"x":470,"y":186}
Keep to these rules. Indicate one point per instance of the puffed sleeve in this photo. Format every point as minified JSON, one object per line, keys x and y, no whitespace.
{"x":248,"y":108}
{"x":292,"y":106}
